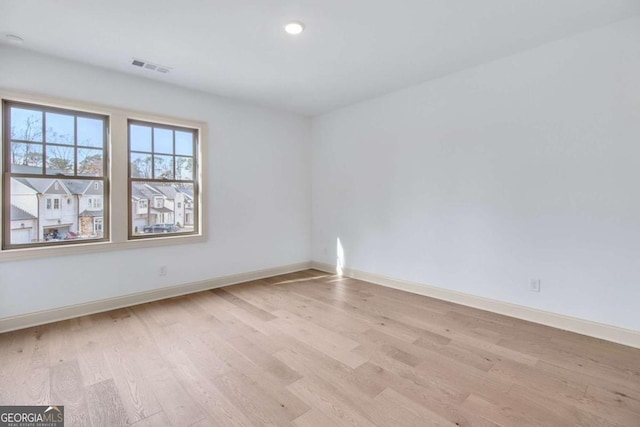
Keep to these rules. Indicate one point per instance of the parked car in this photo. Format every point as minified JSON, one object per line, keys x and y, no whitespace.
{"x":160,"y":228}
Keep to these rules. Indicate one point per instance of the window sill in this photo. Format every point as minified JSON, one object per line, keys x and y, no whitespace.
{"x":97,"y":247}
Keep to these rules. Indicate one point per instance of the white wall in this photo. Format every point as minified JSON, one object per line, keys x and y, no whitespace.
{"x":526,"y":167}
{"x":258,"y":190}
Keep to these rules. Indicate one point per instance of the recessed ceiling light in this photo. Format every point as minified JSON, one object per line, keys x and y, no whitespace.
{"x":12,"y":38}
{"x":294,"y":27}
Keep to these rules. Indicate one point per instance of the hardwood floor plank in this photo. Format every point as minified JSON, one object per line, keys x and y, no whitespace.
{"x":156,"y":420}
{"x":105,"y":407}
{"x":244,"y":305}
{"x":62,"y":346}
{"x":93,"y":367}
{"x":66,"y":389}
{"x":314,"y":418}
{"x":323,"y":398}
{"x":438,"y":397}
{"x":136,"y":394}
{"x":264,"y":360}
{"x":202,"y":389}
{"x":261,"y":407}
{"x":611,"y":400}
{"x":577,"y":412}
{"x":176,"y":404}
{"x":35,"y":388}
{"x":12,"y":385}
{"x":392,"y":409}
{"x":330,"y":343}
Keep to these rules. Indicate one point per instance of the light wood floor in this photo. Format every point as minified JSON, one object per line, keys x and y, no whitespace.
{"x":312,"y":349}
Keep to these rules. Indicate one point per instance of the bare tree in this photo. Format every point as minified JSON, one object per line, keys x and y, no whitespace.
{"x":162,"y":168}
{"x":91,"y":165}
{"x":141,"y":168}
{"x":25,"y":153}
{"x":60,"y":158}
{"x":184,"y":165}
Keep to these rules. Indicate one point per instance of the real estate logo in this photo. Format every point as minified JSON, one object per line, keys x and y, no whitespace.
{"x":31,"y":416}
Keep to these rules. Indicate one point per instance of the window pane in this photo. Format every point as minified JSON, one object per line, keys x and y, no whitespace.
{"x":60,"y":128}
{"x":140,"y":137}
{"x":164,"y":205}
{"x":90,"y":162}
{"x":60,"y":160}
{"x":154,"y":208}
{"x":26,"y":125}
{"x":162,"y":141}
{"x":140,"y":165}
{"x":90,"y":132}
{"x":184,"y":168}
{"x":184,"y":143}
{"x":54,"y":210}
{"x":163,"y":167}
{"x":59,"y":207}
{"x":26,"y":158}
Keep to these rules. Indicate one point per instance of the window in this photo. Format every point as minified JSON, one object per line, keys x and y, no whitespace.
{"x":158,"y":202}
{"x":162,"y":168}
{"x":143,"y":207}
{"x":94,"y":203}
{"x":97,"y":225}
{"x":50,"y":155}
{"x":56,"y":191}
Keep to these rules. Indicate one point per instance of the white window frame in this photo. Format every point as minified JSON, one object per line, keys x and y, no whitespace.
{"x":118,"y":217}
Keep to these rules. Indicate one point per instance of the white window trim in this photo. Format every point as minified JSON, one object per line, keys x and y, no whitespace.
{"x":118,"y":180}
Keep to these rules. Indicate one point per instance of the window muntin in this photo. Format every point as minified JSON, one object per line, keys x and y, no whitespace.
{"x":55,"y":159}
{"x":162,"y":180}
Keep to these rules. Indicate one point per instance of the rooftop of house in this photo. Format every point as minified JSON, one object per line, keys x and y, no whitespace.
{"x":18,"y":214}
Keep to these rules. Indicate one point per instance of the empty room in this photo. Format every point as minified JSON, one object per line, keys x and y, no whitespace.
{"x":320,"y":213}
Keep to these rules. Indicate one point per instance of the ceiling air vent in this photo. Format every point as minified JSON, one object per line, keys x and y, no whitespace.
{"x":149,"y":66}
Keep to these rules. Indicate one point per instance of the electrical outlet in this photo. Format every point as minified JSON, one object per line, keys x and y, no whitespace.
{"x":534,"y":285}
{"x":163,"y":270}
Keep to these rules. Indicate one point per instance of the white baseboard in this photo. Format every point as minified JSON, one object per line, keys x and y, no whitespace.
{"x":585,"y":327}
{"x":68,"y":312}
{"x":560,"y":321}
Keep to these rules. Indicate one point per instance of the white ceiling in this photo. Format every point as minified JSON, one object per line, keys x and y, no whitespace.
{"x":351,"y":50}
